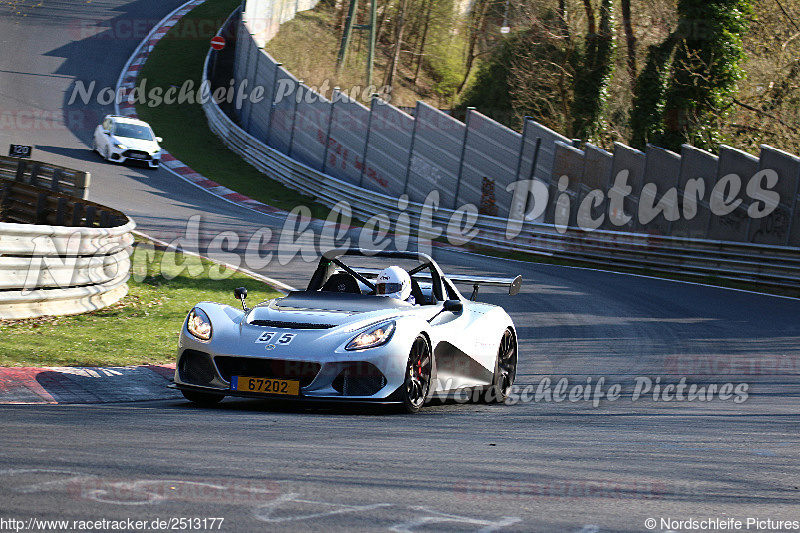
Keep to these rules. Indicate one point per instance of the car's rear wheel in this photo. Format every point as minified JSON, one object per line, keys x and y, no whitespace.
{"x":418,"y":375}
{"x":505,"y":370}
{"x":203,"y":399}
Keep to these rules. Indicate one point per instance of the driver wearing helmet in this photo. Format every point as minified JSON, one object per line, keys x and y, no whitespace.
{"x":395,"y":282}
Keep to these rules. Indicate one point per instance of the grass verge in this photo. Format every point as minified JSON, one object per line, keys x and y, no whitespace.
{"x":142,"y":328}
{"x":179,"y":57}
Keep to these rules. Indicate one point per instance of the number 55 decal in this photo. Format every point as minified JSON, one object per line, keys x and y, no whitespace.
{"x":269,"y":336}
{"x":286,"y":338}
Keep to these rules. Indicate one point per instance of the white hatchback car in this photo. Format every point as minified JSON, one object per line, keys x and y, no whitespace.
{"x":120,"y":139}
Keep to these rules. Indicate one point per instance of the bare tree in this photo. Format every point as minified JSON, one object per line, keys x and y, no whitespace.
{"x":630,"y":40}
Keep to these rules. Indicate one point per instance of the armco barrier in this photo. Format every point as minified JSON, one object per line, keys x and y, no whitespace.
{"x":384,"y":150}
{"x":59,"y":254}
{"x":760,"y":264}
{"x":53,"y":177}
{"x":541,"y":153}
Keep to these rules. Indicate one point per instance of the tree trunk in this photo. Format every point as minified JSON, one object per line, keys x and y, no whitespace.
{"x":562,"y":15}
{"x":475,"y":29}
{"x":399,"y":27}
{"x":630,"y":40}
{"x":421,"y":51}
{"x":381,"y":18}
{"x":592,"y":25}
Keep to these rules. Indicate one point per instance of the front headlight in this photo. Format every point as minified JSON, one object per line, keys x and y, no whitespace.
{"x":120,"y":146}
{"x":374,"y":336}
{"x":198,"y":324}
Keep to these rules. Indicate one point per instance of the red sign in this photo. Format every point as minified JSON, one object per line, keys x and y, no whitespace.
{"x":218,"y":43}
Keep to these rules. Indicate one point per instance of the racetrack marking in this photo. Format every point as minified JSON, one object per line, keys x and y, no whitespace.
{"x":264,"y":513}
{"x":46,"y":485}
{"x":437,"y":517}
{"x":147,"y":491}
{"x":430,"y":516}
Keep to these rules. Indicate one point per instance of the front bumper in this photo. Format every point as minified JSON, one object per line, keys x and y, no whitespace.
{"x":335,"y":379}
{"x":119,"y":155}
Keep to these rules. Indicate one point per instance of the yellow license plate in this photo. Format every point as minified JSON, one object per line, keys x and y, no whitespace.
{"x":289,"y":387}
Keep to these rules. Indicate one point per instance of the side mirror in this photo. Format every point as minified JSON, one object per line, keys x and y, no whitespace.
{"x":240,"y":293}
{"x":159,"y":139}
{"x":454,"y":306}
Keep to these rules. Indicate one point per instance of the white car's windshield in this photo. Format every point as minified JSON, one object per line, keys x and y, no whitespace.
{"x":132,"y":131}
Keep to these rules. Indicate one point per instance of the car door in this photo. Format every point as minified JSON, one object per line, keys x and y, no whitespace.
{"x":457,"y":337}
{"x":101,"y":139}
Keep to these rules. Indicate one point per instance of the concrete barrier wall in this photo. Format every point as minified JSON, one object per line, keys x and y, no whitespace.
{"x":382,"y":149}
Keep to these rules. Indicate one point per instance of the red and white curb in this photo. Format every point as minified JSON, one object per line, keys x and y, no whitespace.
{"x":70,"y":385}
{"x":126,"y":83}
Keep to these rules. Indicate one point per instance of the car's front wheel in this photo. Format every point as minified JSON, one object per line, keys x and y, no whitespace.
{"x":202,"y":399}
{"x":505,"y":369}
{"x":418,"y":375}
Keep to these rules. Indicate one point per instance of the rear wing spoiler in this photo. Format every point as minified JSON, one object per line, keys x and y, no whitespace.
{"x":513,"y":284}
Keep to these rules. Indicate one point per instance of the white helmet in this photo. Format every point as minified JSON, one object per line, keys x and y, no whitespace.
{"x":395,"y":282}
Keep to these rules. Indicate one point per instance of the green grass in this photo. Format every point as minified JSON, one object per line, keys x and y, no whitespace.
{"x":184,"y":127}
{"x":142,"y":328}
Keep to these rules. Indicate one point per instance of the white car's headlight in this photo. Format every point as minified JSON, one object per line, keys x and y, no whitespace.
{"x":199,"y":324}
{"x":374,"y":336}
{"x":120,"y":146}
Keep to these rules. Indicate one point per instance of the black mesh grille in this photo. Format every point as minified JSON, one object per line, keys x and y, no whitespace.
{"x":303,"y":371}
{"x":136,"y":154}
{"x":290,"y":325}
{"x":359,"y":379}
{"x":196,"y":368}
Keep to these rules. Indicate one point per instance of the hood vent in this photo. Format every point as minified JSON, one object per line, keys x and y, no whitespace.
{"x":290,"y":325}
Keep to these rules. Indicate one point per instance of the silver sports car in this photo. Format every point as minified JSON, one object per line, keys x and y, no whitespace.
{"x":339,"y":341}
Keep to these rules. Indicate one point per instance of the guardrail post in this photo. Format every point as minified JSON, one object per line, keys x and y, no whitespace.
{"x":461,"y":160}
{"x":77,"y":214}
{"x":61,"y":211}
{"x":788,"y":240}
{"x":82,"y":180}
{"x":255,"y":77}
{"x":41,"y":209}
{"x":521,"y":146}
{"x":294,"y":117}
{"x":21,"y":167}
{"x":55,"y":184}
{"x":366,"y":141}
{"x":91,"y":211}
{"x":328,"y":132}
{"x":272,"y":101}
{"x":411,"y":148}
{"x":34,"y":177}
{"x":535,"y":159}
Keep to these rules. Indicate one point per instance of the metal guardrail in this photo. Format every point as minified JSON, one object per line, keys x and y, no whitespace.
{"x":53,"y":177}
{"x":59,"y":254}
{"x":759,"y":264}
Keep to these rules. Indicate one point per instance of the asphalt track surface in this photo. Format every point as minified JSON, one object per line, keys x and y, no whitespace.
{"x":536,"y":466}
